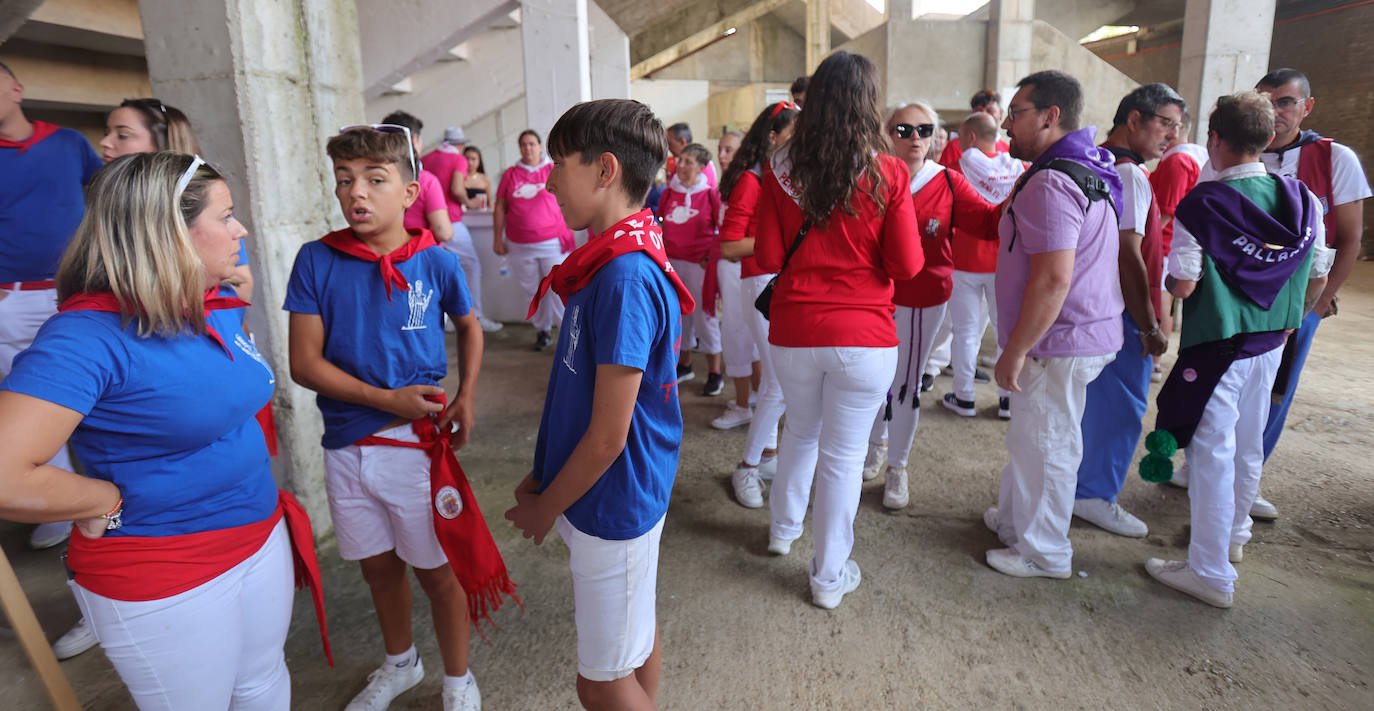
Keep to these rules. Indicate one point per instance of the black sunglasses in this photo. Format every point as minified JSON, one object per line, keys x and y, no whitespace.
{"x":905,"y":130}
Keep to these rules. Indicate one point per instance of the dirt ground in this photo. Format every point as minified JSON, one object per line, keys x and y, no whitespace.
{"x":931,"y":626}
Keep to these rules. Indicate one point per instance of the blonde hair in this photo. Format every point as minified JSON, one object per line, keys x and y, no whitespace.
{"x":134,"y":242}
{"x":923,"y":106}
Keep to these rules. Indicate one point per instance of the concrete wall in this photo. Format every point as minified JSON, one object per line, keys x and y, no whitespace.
{"x":401,"y":37}
{"x":674,"y":100}
{"x":764,"y":50}
{"x":937,"y":61}
{"x":609,"y":48}
{"x":737,"y":108}
{"x":1103,"y":84}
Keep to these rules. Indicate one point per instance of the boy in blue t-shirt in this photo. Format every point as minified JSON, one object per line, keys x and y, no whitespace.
{"x":367,"y":306}
{"x":609,"y":437}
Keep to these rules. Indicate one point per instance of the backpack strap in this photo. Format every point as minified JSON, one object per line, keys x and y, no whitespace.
{"x":1093,"y":186}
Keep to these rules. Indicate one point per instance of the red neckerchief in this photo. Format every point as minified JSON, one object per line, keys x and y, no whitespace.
{"x":348,"y":243}
{"x":458,"y":523}
{"x":138,"y":568}
{"x":41,"y":130}
{"x":106,"y":301}
{"x":637,"y":233}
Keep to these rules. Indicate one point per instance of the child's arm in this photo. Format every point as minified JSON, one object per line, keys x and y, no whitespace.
{"x":613,"y":405}
{"x":310,"y":369}
{"x":470,"y":346}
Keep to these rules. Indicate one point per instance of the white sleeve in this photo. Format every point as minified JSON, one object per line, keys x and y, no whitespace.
{"x":1322,"y":255}
{"x":1135,"y":196}
{"x":1185,"y":256}
{"x":1348,"y":183}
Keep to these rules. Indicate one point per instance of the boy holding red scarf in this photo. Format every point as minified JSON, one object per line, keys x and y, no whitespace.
{"x":367,"y":306}
{"x":608,"y":442}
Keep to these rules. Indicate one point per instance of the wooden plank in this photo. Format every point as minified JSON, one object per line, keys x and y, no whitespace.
{"x":33,"y":641}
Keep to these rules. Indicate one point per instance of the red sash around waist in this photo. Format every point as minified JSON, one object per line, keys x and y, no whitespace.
{"x":137,"y":568}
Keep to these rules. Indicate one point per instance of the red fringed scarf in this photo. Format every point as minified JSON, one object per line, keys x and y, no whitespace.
{"x":638,"y":232}
{"x":106,"y":301}
{"x":345,"y":241}
{"x":41,"y":130}
{"x":458,"y":523}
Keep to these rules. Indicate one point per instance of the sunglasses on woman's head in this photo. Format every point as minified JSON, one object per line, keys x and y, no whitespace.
{"x":905,"y":130}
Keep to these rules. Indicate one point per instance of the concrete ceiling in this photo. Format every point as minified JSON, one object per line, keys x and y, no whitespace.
{"x":633,"y":16}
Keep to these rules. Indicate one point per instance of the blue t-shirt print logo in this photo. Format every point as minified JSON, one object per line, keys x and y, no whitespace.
{"x":574,"y":326}
{"x":418,"y":301}
{"x":246,"y":345}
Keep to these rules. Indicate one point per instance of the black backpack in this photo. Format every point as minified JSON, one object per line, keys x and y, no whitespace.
{"x":1093,"y":186}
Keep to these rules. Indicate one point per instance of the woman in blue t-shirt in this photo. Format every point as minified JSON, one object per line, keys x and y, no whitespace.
{"x":181,"y":560}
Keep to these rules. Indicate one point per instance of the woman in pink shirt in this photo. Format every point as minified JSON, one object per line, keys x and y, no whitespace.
{"x":530,"y":231}
{"x":690,"y":212}
{"x":834,"y":194}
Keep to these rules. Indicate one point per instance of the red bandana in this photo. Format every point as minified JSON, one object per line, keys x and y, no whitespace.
{"x":348,"y":243}
{"x":628,"y":235}
{"x":41,"y":130}
{"x":106,"y":301}
{"x":458,"y":523}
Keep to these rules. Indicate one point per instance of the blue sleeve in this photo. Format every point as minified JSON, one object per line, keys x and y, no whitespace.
{"x":243,"y":257}
{"x":90,"y":162}
{"x":627,"y":321}
{"x":72,"y":364}
{"x":457,"y":300}
{"x":301,"y":295}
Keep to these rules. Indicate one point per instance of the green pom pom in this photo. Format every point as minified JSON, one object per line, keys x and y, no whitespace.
{"x":1161,"y":442}
{"x":1157,"y":469}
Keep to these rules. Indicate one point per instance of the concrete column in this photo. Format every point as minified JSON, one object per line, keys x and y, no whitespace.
{"x":817,"y":33}
{"x":1010,"y":27}
{"x":610,"y":55}
{"x":1225,"y":49}
{"x":557,"y":59}
{"x":265,"y":84}
{"x":903,"y":10}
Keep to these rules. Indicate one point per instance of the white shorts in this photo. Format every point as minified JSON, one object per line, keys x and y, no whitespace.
{"x":614,"y":595}
{"x":379,"y":500}
{"x":21,"y":313}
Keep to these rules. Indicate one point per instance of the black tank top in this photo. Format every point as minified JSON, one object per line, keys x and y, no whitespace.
{"x":474,"y":192}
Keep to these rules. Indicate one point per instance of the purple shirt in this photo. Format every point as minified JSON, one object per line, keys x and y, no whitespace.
{"x":1050,"y":216}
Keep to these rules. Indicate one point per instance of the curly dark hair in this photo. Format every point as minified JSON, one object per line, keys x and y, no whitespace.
{"x":754,"y":147}
{"x":838,"y":136}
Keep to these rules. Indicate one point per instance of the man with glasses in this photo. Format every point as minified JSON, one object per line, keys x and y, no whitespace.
{"x":1333,"y":172}
{"x":43,"y":169}
{"x":1147,"y":120}
{"x":1059,"y":317}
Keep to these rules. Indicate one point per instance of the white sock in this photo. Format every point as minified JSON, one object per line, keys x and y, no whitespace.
{"x":458,"y":682}
{"x":404,"y":659}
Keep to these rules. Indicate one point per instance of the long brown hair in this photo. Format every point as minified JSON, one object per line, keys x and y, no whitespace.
{"x":838,"y":134}
{"x":170,"y":128}
{"x":755,"y":146}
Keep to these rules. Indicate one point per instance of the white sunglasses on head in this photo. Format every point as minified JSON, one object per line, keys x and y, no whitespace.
{"x":188,"y":175}
{"x":392,"y":128}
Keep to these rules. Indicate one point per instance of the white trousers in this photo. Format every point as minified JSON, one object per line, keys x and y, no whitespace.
{"x":530,"y":263}
{"x":1044,"y":449}
{"x":940,"y":354}
{"x":21,"y":314}
{"x":831,"y":393}
{"x":736,"y":342}
{"x":917,"y":329}
{"x":763,"y":429}
{"x":216,"y":646}
{"x":700,"y":331}
{"x":1225,"y":460}
{"x":461,"y":245}
{"x":972,"y":306}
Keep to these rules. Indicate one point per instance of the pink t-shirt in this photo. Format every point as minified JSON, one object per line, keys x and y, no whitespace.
{"x":443,"y":162}
{"x":690,"y":218}
{"x":1051,"y":214}
{"x":532,"y":213}
{"x":431,"y":199}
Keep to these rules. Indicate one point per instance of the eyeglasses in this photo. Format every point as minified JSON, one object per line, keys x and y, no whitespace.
{"x":905,"y":130}
{"x":783,"y":106}
{"x":392,"y":128}
{"x":1168,"y":122}
{"x":1288,"y":102}
{"x":188,"y":175}
{"x":1011,"y":115}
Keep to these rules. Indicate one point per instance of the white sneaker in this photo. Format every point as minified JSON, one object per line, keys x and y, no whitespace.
{"x":466,"y":698}
{"x":1178,"y":575}
{"x":748,"y":487}
{"x":1262,"y":510}
{"x":990,"y":520}
{"x":1180,"y":478}
{"x":733,"y":417}
{"x":768,"y":467}
{"x":1236,"y":552}
{"x":988,"y":362}
{"x":47,"y":535}
{"x":386,"y":684}
{"x":77,"y":640}
{"x":830,"y":599}
{"x":873,"y":462}
{"x":1109,"y":516}
{"x":489,"y":325}
{"x":1008,"y":561}
{"x":778,"y":546}
{"x":895,"y":493}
